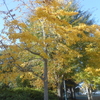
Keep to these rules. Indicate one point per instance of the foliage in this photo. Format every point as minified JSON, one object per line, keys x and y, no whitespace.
{"x":49,"y":44}
{"x":22,"y":83}
{"x":24,"y":94}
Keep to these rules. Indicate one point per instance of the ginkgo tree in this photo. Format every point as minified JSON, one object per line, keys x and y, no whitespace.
{"x":46,"y":34}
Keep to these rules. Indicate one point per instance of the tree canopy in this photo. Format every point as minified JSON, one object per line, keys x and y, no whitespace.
{"x":53,"y":41}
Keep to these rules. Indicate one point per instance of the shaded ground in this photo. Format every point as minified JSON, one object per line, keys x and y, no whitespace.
{"x":84,"y":97}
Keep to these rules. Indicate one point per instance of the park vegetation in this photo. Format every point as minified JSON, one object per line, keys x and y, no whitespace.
{"x":54,"y":42}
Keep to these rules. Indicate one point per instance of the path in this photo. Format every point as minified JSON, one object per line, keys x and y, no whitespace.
{"x":84,"y":97}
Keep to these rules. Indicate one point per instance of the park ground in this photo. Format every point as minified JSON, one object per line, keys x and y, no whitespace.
{"x":84,"y":97}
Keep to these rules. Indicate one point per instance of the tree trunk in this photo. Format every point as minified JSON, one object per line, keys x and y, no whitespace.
{"x":45,"y":80}
{"x":74,"y":93}
{"x":89,"y":93}
{"x":65,"y":91}
{"x":71,"y":95}
{"x":60,"y":91}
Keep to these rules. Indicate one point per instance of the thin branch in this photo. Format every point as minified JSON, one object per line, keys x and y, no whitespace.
{"x":8,"y":9}
{"x":11,"y":14}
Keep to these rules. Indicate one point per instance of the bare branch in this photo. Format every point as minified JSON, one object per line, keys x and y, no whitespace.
{"x":12,"y":16}
{"x":8,"y":10}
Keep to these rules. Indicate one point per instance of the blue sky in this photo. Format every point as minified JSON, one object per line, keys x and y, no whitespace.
{"x":92,"y":6}
{"x":10,"y":4}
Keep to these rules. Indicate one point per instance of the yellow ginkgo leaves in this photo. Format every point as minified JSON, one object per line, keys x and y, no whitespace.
{"x":92,"y":71}
{"x":62,"y":12}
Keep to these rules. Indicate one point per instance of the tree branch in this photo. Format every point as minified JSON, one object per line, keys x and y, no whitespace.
{"x":35,"y":53}
{"x":12,"y":16}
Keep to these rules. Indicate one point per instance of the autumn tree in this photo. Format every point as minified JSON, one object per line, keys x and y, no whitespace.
{"x":48,"y":34}
{"x":72,"y":66}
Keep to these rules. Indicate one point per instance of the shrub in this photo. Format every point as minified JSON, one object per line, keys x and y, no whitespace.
{"x":24,"y":94}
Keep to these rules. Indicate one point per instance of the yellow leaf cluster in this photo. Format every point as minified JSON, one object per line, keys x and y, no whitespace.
{"x":49,"y":14}
{"x":62,"y":12}
{"x":14,"y":22}
{"x":22,"y":25}
{"x":8,"y":77}
{"x":26,"y":75}
{"x":92,"y":71}
{"x":44,"y":55}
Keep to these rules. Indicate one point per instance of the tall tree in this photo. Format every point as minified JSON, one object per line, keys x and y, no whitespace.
{"x":48,"y":34}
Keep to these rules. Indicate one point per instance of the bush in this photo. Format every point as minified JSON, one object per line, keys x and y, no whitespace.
{"x":24,"y":94}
